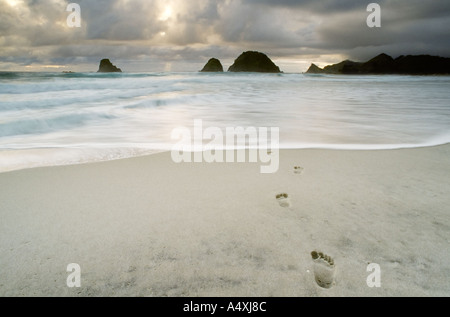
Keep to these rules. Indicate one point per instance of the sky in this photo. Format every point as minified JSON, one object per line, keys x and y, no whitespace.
{"x":182,"y":35}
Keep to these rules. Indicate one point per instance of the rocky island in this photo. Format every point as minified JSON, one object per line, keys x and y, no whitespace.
{"x":107,"y":67}
{"x":384,"y":64}
{"x":213,"y":65}
{"x":254,"y":62}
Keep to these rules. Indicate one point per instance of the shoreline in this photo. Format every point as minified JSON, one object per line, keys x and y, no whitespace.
{"x":147,"y":152}
{"x":149,"y":227}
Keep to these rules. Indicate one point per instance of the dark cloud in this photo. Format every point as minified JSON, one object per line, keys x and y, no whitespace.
{"x":169,"y":31}
{"x":324,"y":6}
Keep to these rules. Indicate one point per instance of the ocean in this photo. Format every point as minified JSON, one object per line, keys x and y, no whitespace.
{"x":55,"y":119}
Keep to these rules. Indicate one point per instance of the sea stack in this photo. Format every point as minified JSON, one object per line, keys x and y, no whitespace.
{"x":213,"y":65}
{"x":107,"y":67}
{"x":254,"y":62}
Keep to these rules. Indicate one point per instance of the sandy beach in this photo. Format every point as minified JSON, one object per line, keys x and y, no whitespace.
{"x":150,"y":227}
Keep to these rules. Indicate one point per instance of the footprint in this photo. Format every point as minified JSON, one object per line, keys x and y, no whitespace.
{"x":298,"y":170}
{"x":324,"y":270}
{"x":284,"y":200}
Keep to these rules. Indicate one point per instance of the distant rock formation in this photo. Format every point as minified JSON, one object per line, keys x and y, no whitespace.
{"x":107,"y":67}
{"x":213,"y":65}
{"x":345,"y":67}
{"x":314,"y":69}
{"x":254,"y":62}
{"x":384,"y":65}
{"x":423,"y":65}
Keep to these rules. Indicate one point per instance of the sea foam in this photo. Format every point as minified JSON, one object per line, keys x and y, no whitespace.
{"x":86,"y":117}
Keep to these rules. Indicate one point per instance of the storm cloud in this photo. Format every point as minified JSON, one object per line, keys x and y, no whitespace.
{"x":156,"y":35}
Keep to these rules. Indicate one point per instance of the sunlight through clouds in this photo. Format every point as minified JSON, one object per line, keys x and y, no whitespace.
{"x":294,"y":32}
{"x":167,"y":14}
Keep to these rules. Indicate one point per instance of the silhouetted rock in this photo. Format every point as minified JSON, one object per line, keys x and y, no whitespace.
{"x":345,"y":67}
{"x":382,"y":64}
{"x":314,"y":69}
{"x":107,"y":67}
{"x":385,"y":64}
{"x":423,"y":65}
{"x":213,"y":65}
{"x":254,"y":62}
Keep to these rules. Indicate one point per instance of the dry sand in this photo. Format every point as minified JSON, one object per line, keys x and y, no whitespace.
{"x":149,"y":227}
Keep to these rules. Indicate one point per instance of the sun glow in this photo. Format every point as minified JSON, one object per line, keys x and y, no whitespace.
{"x":167,"y":14}
{"x":13,"y":3}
